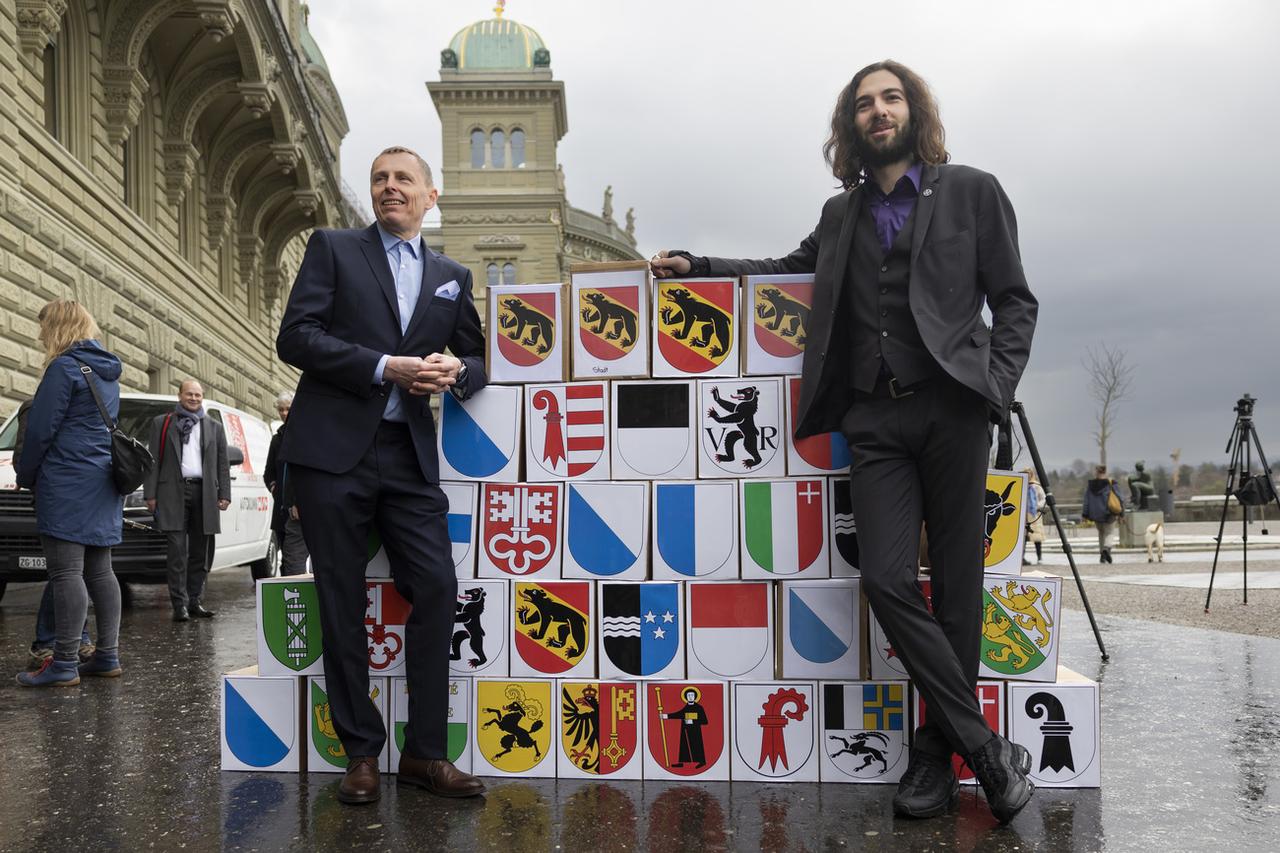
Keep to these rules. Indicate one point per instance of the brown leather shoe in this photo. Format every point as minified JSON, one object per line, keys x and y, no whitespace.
{"x":438,"y":776}
{"x":360,"y":784}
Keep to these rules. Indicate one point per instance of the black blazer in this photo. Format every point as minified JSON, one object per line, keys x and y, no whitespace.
{"x":964,"y":250}
{"x":340,"y":320}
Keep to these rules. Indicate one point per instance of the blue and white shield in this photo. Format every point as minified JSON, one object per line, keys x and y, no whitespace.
{"x":260,"y":723}
{"x":480,"y":439}
{"x":695,"y":530}
{"x":462,"y":526}
{"x":606,"y":530}
{"x":641,"y":625}
{"x":821,"y":622}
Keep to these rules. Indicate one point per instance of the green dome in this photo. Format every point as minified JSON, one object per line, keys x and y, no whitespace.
{"x":498,"y":44}
{"x":311,"y":50}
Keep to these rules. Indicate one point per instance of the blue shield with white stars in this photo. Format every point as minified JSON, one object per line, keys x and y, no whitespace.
{"x":640,"y":625}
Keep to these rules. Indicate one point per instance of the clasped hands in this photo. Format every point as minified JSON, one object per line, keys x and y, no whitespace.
{"x":420,"y":376}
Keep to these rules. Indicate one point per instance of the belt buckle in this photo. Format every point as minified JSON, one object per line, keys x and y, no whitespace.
{"x":894,"y":393}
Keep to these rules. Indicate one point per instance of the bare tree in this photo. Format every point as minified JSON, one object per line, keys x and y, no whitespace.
{"x":1110,"y":380}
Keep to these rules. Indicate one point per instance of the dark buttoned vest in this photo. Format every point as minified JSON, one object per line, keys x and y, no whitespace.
{"x":883,"y":330}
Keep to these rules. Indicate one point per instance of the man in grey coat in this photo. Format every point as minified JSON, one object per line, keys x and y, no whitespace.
{"x":186,"y":490}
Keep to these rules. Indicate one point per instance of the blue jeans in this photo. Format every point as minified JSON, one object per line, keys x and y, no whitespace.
{"x":46,"y":633}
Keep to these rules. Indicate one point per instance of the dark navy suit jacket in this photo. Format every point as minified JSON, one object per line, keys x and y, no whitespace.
{"x":340,"y":319}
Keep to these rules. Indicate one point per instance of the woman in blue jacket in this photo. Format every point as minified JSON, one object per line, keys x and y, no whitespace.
{"x":66,"y":462}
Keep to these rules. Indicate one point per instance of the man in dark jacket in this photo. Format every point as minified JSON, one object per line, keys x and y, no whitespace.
{"x":187,"y":490}
{"x":284,"y":515}
{"x":1095,"y":507}
{"x":898,"y":358}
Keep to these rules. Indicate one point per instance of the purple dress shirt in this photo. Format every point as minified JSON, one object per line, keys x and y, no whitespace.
{"x":890,"y":211}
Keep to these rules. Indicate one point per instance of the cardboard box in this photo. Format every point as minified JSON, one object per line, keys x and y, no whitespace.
{"x":463,"y":499}
{"x":1006,"y":522}
{"x":479,"y":439}
{"x":826,"y":453}
{"x":641,"y":629}
{"x":687,"y":725}
{"x":865,"y":731}
{"x":784,"y":528}
{"x":552,"y":629}
{"x":820,"y":629}
{"x":842,"y":529}
{"x":385,"y":617}
{"x":290,"y":640}
{"x":568,"y":432}
{"x":1020,"y":619}
{"x":480,"y":644}
{"x":458,"y":745}
{"x":325,"y":753}
{"x":653,"y":431}
{"x":731,"y":630}
{"x":1060,"y":725}
{"x":775,"y":323}
{"x":775,"y":728}
{"x":520,"y":527}
{"x":695,"y":331}
{"x":600,"y":731}
{"x":695,"y":530}
{"x":606,"y":531}
{"x":513,"y":726}
{"x":740,"y":428}
{"x":261,"y":720}
{"x":525,"y":333}
{"x":610,"y":307}
{"x":885,"y":663}
{"x":991,"y":700}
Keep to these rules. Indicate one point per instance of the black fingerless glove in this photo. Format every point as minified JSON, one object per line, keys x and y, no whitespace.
{"x":699,"y":267}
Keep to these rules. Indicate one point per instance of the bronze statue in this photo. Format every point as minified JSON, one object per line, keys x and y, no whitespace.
{"x":1140,"y":487}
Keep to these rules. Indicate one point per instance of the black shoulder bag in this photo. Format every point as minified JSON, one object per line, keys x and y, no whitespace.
{"x":131,"y":461}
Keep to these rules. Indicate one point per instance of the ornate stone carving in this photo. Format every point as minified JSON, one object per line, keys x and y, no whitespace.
{"x":250,"y":247}
{"x":286,"y":155}
{"x":220,"y":214}
{"x":257,"y":97}
{"x":38,"y":22}
{"x":180,"y":159}
{"x":307,"y":200}
{"x":216,"y":17}
{"x":123,"y":87}
{"x":505,"y":242}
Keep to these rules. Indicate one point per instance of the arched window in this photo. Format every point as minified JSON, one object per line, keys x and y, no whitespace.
{"x":477,"y":149}
{"x":491,"y":273}
{"x":498,"y":149}
{"x":508,"y":273}
{"x":517,"y":148}
{"x":65,"y":65}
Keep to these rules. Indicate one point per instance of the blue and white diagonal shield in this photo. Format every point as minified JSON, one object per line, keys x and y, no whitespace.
{"x":462,"y":525}
{"x":821,"y":622}
{"x":695,"y":529}
{"x":606,"y":530}
{"x":259,"y":722}
{"x":479,"y":439}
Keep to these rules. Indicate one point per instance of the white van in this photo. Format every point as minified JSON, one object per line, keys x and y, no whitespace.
{"x":246,"y":525}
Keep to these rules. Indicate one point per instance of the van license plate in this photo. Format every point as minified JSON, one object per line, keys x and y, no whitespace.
{"x":31,"y":563}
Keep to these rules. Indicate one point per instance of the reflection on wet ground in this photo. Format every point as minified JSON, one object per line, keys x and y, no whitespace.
{"x":1191,"y":737}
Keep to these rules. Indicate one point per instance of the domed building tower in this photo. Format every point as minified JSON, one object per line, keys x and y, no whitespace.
{"x":503,"y":208}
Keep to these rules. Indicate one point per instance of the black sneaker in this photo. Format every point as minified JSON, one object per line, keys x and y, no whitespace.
{"x":1001,"y":768}
{"x":929,"y":787}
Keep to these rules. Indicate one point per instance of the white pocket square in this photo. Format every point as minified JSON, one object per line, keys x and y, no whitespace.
{"x":449,"y":290}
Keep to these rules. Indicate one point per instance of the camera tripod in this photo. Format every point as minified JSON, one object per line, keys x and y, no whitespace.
{"x":1004,"y":460}
{"x":1249,"y":489}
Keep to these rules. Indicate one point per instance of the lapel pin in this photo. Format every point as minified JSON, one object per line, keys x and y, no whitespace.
{"x":928,"y":192}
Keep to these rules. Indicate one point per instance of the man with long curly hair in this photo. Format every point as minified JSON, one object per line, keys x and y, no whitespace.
{"x":899,"y":359}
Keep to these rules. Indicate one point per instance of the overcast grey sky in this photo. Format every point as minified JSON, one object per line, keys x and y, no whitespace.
{"x":1135,"y":140}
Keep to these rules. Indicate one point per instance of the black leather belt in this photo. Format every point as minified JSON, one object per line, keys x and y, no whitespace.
{"x":193,"y":479}
{"x":888,"y":386}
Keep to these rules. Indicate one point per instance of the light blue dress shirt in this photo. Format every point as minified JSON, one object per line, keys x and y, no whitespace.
{"x":405,"y":260}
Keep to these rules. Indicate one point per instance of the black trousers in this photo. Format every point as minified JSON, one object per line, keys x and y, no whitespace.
{"x":385,"y":490}
{"x":924,"y":458}
{"x":189,"y":551}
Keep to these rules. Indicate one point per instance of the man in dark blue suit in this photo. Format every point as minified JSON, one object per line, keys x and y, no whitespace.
{"x":369,"y":316}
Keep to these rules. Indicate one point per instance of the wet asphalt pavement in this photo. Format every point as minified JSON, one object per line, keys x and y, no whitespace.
{"x":1191,"y":742}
